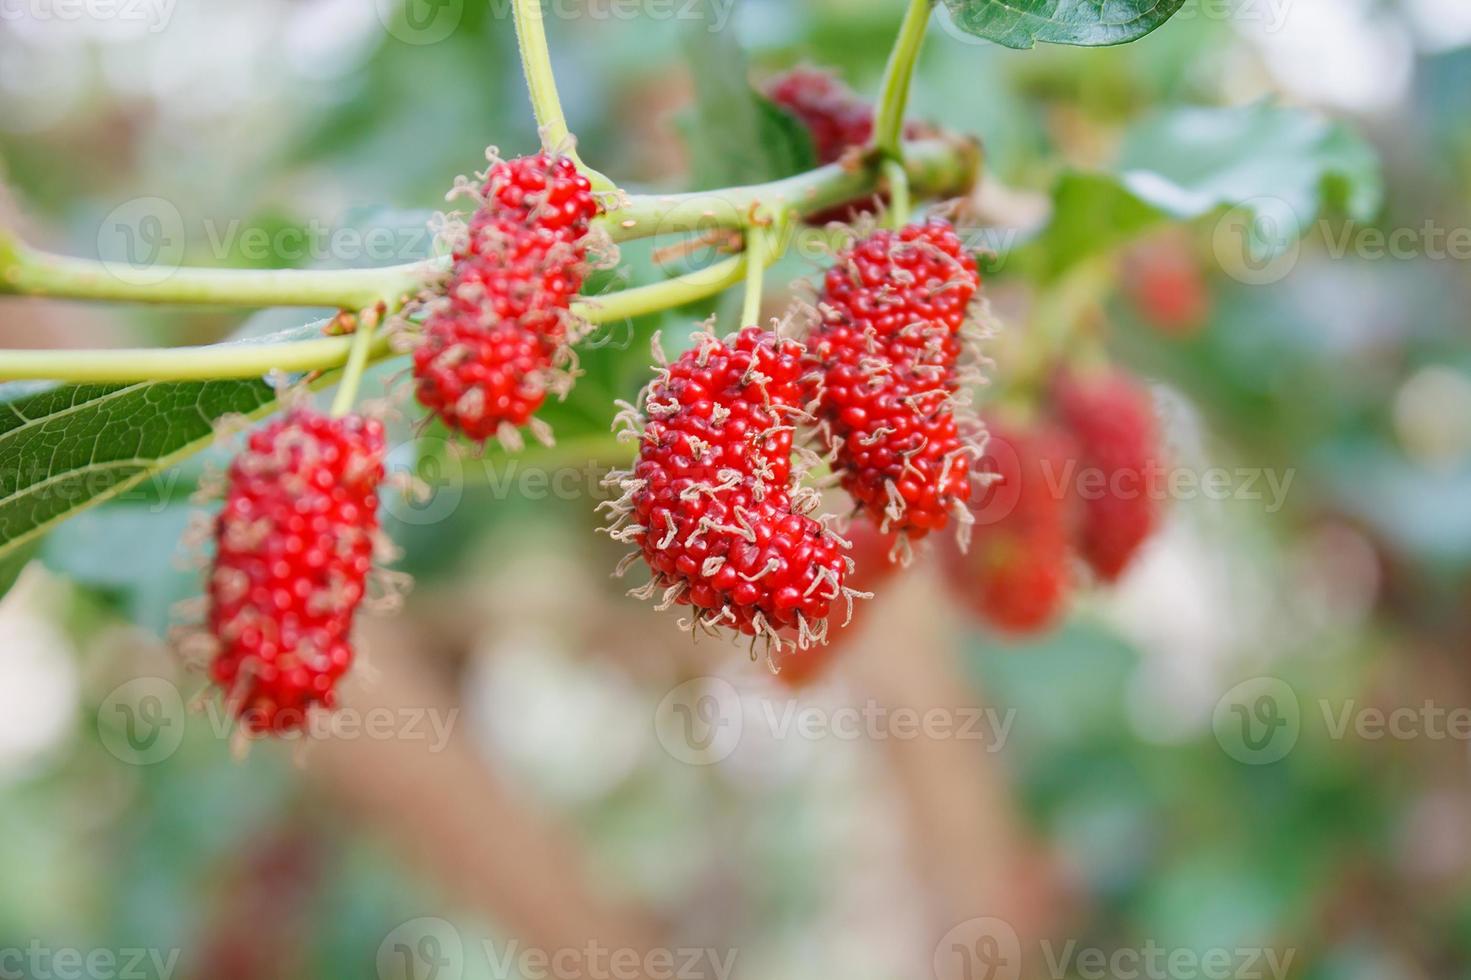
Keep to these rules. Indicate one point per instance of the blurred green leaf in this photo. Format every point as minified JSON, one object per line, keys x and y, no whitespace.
{"x":1091,"y":23}
{"x":735,"y":135}
{"x":13,"y":562}
{"x":1278,"y":168}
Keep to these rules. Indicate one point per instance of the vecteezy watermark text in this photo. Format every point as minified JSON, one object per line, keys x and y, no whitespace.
{"x":704,"y":720}
{"x":432,"y":947}
{"x":152,"y":14}
{"x":39,"y":962}
{"x":991,"y":948}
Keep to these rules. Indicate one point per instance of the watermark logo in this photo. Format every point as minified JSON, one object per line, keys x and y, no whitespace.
{"x":1258,"y":721}
{"x":432,"y":949}
{"x":990,"y":949}
{"x":979,"y":949}
{"x":142,"y":241}
{"x":703,"y":721}
{"x":422,"y":949}
{"x":420,"y":22}
{"x":700,"y":722}
{"x":1259,"y":241}
{"x":143,"y":721}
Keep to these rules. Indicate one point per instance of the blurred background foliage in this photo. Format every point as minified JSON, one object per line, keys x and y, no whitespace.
{"x":1113,"y":814}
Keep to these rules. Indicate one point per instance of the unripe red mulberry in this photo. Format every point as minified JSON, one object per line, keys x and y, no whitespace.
{"x":294,"y":546}
{"x":1111,"y":418}
{"x":833,"y":113}
{"x":1015,"y":573}
{"x":838,"y":120}
{"x":887,"y":348}
{"x":712,"y":502}
{"x":492,"y":344}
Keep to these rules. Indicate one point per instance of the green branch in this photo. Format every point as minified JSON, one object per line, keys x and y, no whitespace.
{"x":898,"y":185}
{"x":935,"y":168}
{"x":357,"y":362}
{"x":249,"y":360}
{"x":33,"y":272}
{"x":888,"y":123}
{"x":755,"y":275}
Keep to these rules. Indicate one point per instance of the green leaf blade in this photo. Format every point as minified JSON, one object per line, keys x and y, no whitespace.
{"x":1088,"y":23}
{"x":71,"y":447}
{"x":1283,"y":168}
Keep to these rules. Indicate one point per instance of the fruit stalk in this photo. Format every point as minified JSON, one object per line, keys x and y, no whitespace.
{"x":536,"y":65}
{"x":888,"y":126}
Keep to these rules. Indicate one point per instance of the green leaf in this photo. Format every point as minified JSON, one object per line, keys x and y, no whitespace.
{"x":1092,"y":23}
{"x":13,"y":562}
{"x":64,"y":448}
{"x":735,"y":135}
{"x":1278,"y":168}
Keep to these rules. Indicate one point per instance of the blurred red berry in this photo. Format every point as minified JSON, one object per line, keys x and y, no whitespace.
{"x":1014,"y":575}
{"x":834,"y":114}
{"x":1119,"y":474}
{"x":294,"y":546}
{"x":1164,"y":282}
{"x":838,"y":120}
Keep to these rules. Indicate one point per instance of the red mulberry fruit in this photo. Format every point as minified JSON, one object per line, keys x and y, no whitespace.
{"x":294,"y":546}
{"x":712,"y":502}
{"x":1111,"y":418}
{"x":492,"y":344}
{"x":1015,"y":573}
{"x":838,"y":120}
{"x":887,"y":347}
{"x":874,"y":563}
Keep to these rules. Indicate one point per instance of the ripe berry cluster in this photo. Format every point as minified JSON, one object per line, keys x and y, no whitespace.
{"x":712,"y":502}
{"x":887,"y":347}
{"x":492,"y":343}
{"x":294,"y":546}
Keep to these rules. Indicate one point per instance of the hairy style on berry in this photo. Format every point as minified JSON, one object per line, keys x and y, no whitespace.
{"x":887,"y":348}
{"x":1015,"y":575}
{"x":294,"y":545}
{"x":1111,"y":418}
{"x":713,"y":504}
{"x":493,"y":344}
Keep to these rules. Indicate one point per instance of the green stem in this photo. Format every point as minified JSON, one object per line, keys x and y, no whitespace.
{"x":642,"y":300}
{"x":755,"y":275}
{"x":935,"y":168}
{"x":357,"y":363}
{"x":536,"y":65}
{"x":898,"y":181}
{"x":178,"y":363}
{"x":326,"y":353}
{"x":888,"y":124}
{"x":35,"y":273}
